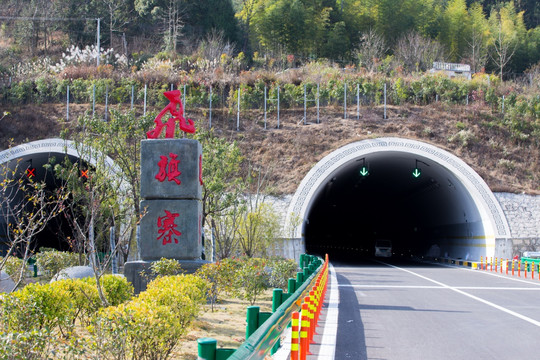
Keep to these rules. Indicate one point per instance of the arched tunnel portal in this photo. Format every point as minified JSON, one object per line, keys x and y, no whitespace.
{"x":425,"y":200}
{"x":29,"y":159}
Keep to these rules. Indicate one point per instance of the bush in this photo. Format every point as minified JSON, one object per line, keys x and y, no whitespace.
{"x":52,"y":261}
{"x":83,"y":296}
{"x":220,"y":278}
{"x":27,"y":345}
{"x":117,"y":289}
{"x":280,"y":272}
{"x":252,"y":279}
{"x":13,"y":267}
{"x":37,"y":307}
{"x":150,"y":326}
{"x":165,"y":267}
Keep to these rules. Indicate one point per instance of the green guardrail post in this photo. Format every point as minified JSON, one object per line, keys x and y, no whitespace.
{"x":299,"y":279}
{"x":263,"y":316}
{"x":291,"y":285}
{"x":252,"y":320}
{"x":277,"y":300}
{"x":223,"y":354}
{"x":306,"y":272}
{"x":302,"y":260}
{"x":207,"y":348}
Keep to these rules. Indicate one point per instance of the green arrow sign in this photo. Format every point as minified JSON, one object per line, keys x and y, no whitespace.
{"x":416,"y":173}
{"x":364,"y":171}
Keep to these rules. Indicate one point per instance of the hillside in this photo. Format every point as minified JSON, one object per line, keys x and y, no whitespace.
{"x":504,"y":163}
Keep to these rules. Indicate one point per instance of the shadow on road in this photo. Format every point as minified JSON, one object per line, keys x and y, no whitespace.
{"x":350,"y":334}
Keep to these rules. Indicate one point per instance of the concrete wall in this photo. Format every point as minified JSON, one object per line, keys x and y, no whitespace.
{"x":522,"y":213}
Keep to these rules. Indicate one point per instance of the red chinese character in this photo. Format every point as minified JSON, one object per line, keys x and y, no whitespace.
{"x":167,"y":228}
{"x":168,"y":169}
{"x":176,"y":109}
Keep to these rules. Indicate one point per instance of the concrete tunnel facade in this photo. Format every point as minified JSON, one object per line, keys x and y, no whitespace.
{"x":423,"y":198}
{"x":447,"y":209}
{"x":36,"y":154}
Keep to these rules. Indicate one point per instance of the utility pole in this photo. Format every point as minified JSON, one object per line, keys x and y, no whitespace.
{"x":97,"y":40}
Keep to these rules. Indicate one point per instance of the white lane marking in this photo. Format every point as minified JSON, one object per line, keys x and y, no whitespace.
{"x":327,"y":350}
{"x":370,"y":286}
{"x":501,"y":276}
{"x":498,"y":307}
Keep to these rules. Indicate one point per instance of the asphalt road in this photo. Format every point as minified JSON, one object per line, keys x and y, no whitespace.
{"x":405,"y":310}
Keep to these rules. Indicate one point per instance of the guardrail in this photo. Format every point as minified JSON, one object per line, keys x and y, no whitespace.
{"x":263,"y":330}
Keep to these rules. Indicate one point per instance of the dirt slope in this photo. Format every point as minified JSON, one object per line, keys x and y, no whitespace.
{"x":289,"y":152}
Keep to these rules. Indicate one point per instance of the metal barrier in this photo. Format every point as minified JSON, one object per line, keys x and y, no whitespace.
{"x":264,"y":330}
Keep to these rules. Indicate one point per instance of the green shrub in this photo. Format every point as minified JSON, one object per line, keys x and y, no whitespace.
{"x":13,"y":267}
{"x":50,"y":262}
{"x":252,"y":279}
{"x":220,"y":279}
{"x":83,"y":296}
{"x":117,"y":289}
{"x":183,"y":293}
{"x":26,"y":345}
{"x":150,"y":326}
{"x":165,"y":267}
{"x":280,"y":272}
{"x":38,"y":306}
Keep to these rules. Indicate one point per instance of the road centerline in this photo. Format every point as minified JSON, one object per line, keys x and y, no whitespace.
{"x":486,"y":302}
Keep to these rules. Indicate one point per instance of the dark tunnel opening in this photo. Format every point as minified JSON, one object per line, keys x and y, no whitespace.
{"x":58,"y":230}
{"x":416,"y":203}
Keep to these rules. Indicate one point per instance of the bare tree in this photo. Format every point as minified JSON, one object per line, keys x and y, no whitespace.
{"x":26,"y":206}
{"x":214,"y":45}
{"x":372,"y":48}
{"x":477,"y":49}
{"x":504,"y":47}
{"x":418,"y":53}
{"x":118,"y":12}
{"x":169,"y":13}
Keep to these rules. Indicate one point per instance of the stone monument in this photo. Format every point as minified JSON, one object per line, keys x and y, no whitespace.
{"x":171,"y":194}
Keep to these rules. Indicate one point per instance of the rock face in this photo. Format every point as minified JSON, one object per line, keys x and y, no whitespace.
{"x":6,"y":284}
{"x":75,"y":272}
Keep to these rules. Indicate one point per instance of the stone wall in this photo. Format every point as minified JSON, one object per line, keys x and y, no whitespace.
{"x":523,"y":215}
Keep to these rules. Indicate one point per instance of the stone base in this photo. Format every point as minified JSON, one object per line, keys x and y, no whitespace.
{"x":133,"y":269}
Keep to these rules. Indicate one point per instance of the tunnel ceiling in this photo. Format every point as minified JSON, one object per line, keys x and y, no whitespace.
{"x":353,"y":209}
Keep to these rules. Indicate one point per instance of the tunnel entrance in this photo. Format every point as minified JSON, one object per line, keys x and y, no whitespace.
{"x":29,"y":159}
{"x":426,"y":201}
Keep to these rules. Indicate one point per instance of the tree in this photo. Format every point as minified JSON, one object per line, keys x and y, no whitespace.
{"x":455,"y":29}
{"x":418,"y":53}
{"x":281,"y":24}
{"x":118,"y":15}
{"x":259,"y":226}
{"x":120,"y":138}
{"x":372,"y":48}
{"x":478,"y":37}
{"x":245,"y":15}
{"x":221,"y":187}
{"x":507,"y":29}
{"x":26,"y":206}
{"x":169,"y":14}
{"x":106,"y":194}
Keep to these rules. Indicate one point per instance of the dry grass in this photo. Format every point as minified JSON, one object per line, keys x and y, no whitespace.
{"x":505,"y":164}
{"x":227,"y":324}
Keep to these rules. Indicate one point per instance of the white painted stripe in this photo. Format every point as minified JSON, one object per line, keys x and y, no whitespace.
{"x":498,"y":307}
{"x":369,"y":286}
{"x":327,"y":350}
{"x":533,"y":282}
